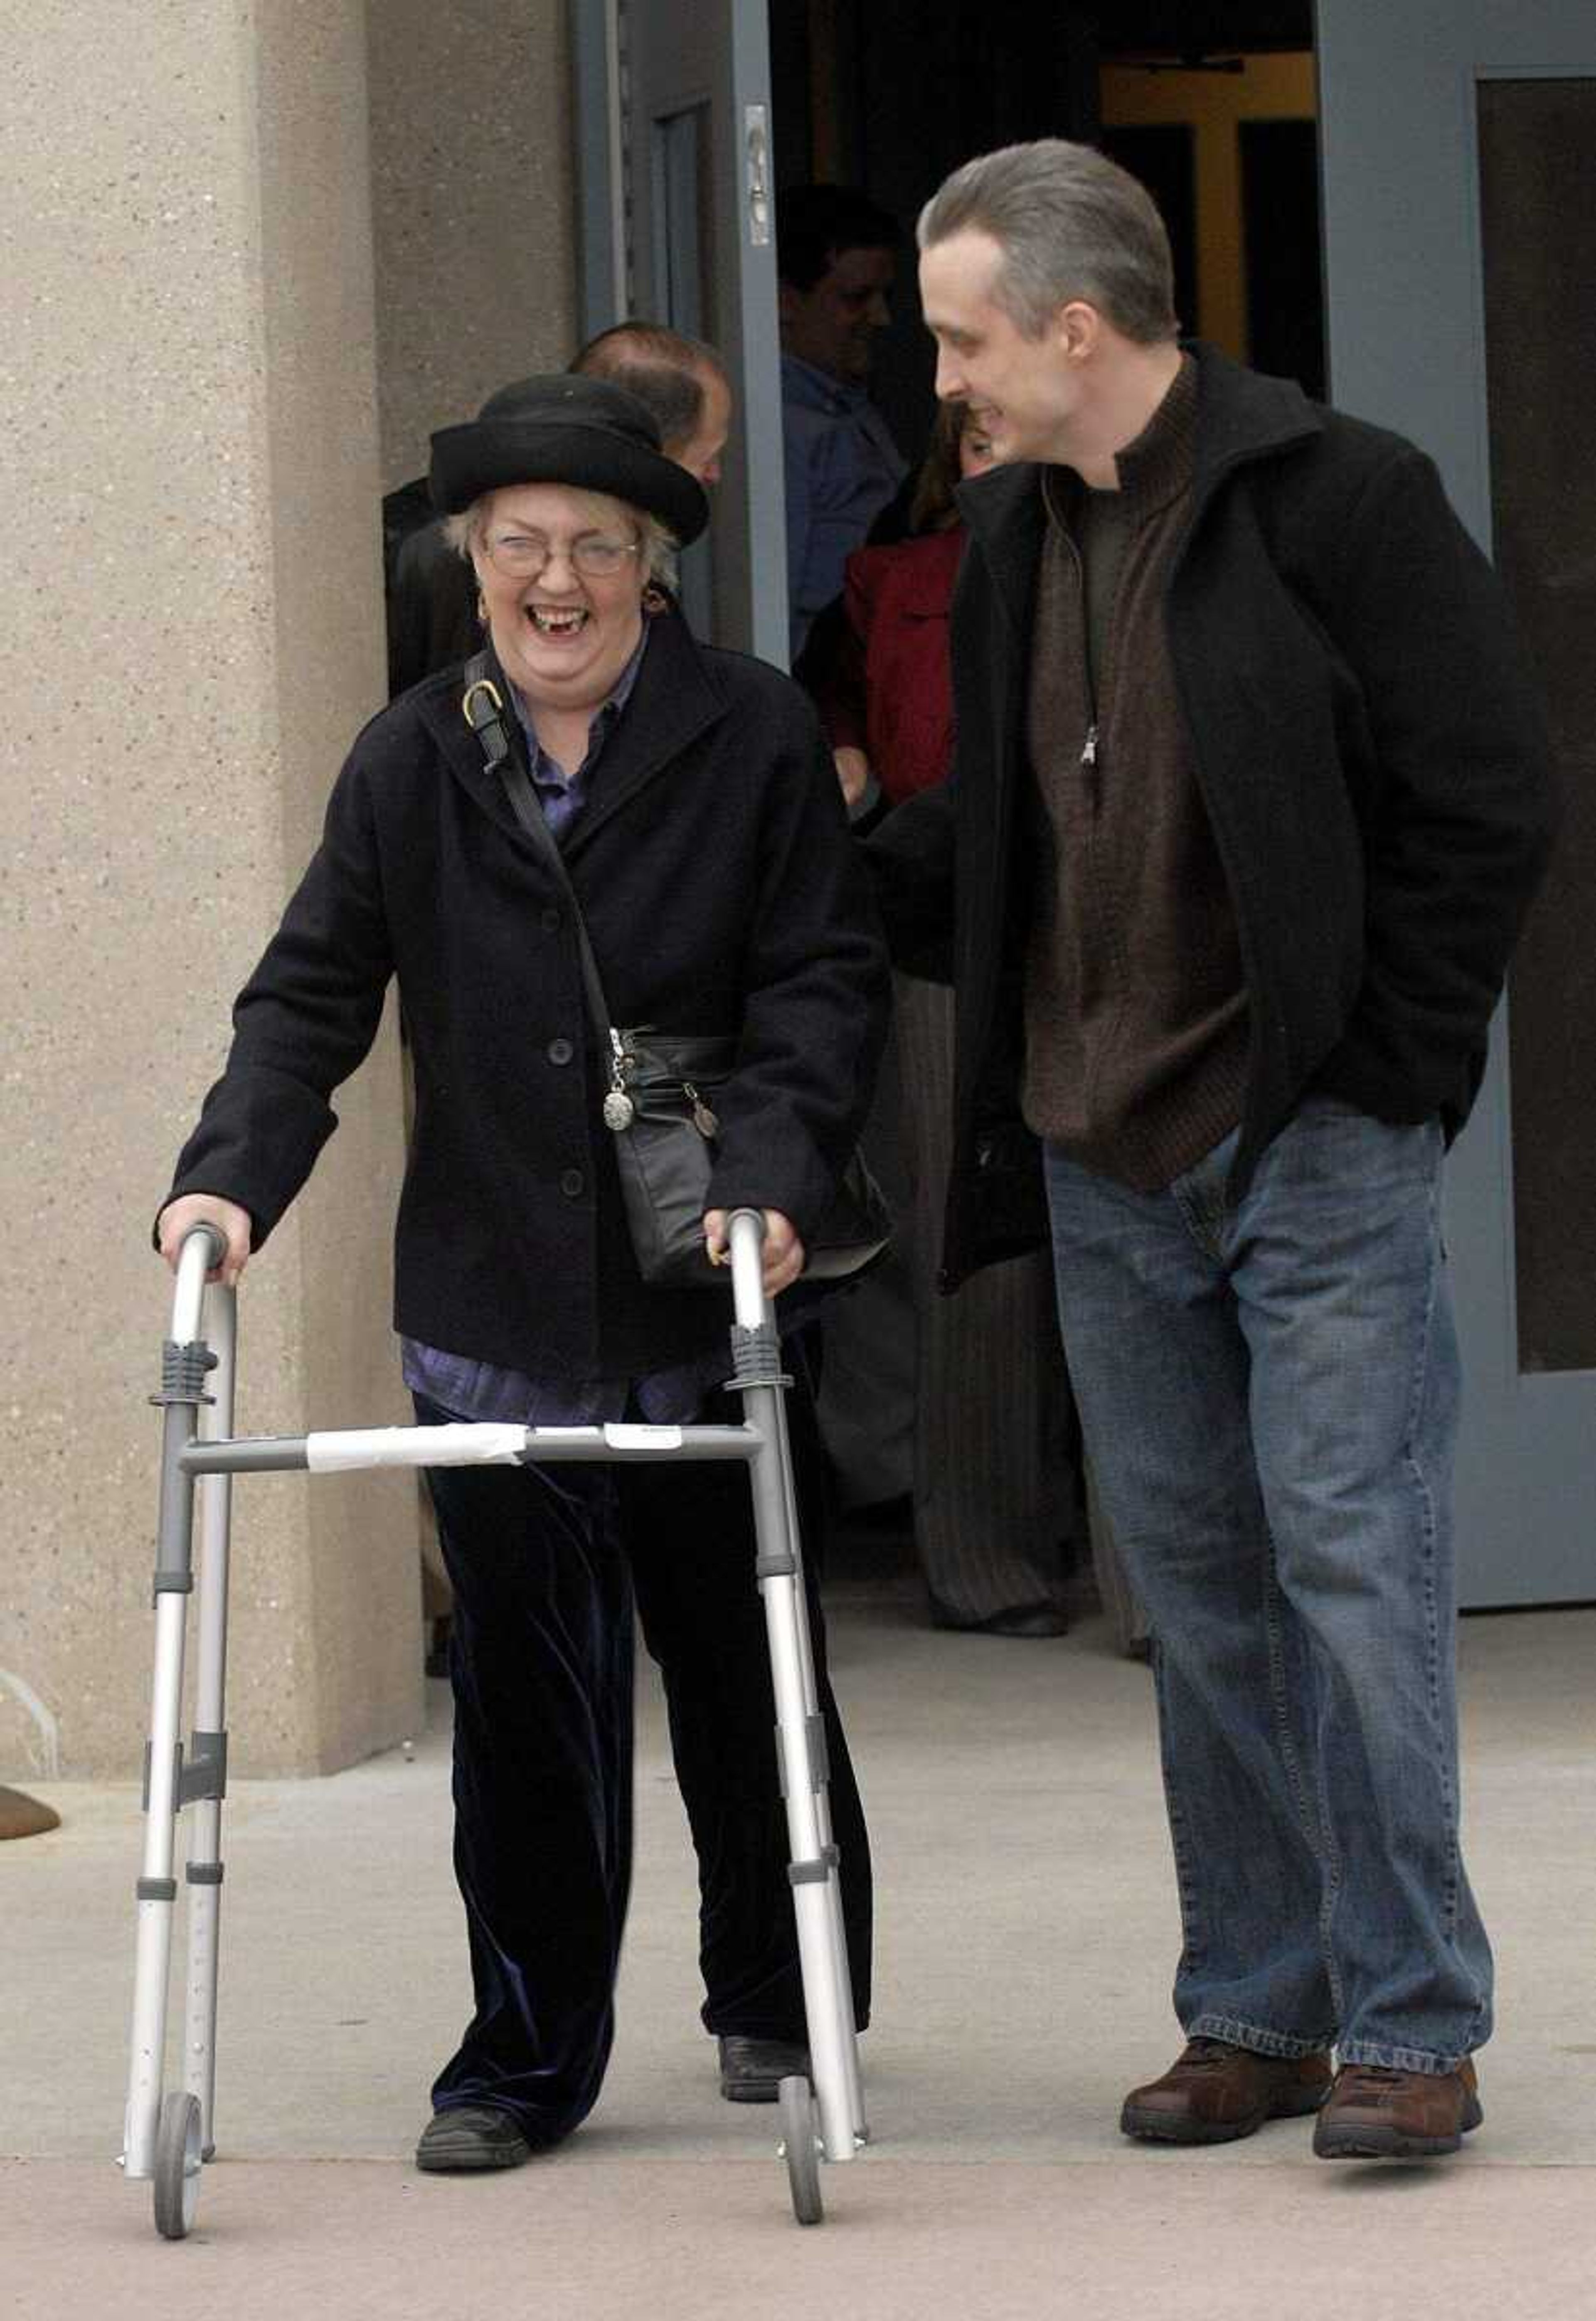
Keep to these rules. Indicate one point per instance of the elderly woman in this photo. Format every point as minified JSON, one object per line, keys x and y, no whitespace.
{"x":690,"y":797}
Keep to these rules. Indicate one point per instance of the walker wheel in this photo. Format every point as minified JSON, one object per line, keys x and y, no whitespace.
{"x":177,"y":2166}
{"x":801,"y":2147}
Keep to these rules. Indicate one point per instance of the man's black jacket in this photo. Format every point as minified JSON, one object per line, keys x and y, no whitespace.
{"x":1372,"y":754}
{"x":722,"y":894}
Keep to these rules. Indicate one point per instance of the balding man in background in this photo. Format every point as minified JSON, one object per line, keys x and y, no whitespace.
{"x":681,"y":380}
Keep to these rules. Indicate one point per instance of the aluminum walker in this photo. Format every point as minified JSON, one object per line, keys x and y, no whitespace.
{"x":169,"y":2134}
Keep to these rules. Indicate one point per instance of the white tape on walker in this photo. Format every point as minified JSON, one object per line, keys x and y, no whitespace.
{"x":414,"y":1446}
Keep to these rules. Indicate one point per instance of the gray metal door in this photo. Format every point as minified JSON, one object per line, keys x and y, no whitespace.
{"x":1459,"y":154}
{"x":679,"y":226}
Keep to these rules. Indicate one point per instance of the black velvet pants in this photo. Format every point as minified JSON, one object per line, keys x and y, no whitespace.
{"x":545,"y":1564}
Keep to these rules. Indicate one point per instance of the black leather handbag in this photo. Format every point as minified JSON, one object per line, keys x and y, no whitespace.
{"x":660,"y":1104}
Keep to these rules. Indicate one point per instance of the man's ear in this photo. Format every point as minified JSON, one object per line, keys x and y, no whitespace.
{"x":1079,"y":328}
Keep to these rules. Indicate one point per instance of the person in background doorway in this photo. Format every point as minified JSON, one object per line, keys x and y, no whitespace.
{"x":836,"y":256}
{"x":681,"y":380}
{"x":432,"y":616}
{"x":996,"y":1494}
{"x":1252,"y":793}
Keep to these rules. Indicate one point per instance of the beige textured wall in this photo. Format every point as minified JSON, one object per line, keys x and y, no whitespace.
{"x":192,"y":634}
{"x":473,"y":201}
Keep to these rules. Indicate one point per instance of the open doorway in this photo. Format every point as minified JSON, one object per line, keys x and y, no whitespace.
{"x":1212,"y":106}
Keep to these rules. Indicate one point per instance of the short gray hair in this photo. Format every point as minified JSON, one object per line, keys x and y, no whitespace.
{"x":465,"y":529}
{"x":1070,"y":223}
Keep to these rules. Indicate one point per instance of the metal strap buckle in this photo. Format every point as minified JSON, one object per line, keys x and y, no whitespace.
{"x":483,"y":684}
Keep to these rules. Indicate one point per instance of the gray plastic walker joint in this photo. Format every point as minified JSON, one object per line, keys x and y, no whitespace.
{"x":756,"y":1358}
{"x":204,"y":1873}
{"x":158,"y":1890}
{"x":183,"y":1371}
{"x":205,"y":1773}
{"x":775,"y":1563}
{"x":815,"y":1873}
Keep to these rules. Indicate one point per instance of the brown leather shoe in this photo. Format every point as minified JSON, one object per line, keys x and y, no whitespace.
{"x":1374,"y":2114}
{"x":1215,"y":2093}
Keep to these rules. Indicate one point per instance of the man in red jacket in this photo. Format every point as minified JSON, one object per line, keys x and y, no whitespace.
{"x":1252,"y":793}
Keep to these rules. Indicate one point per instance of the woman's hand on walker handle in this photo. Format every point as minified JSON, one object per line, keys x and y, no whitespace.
{"x":783,"y":1252}
{"x":180,"y":1217}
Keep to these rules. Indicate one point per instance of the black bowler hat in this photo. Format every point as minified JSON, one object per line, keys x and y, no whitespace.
{"x":558,"y":428}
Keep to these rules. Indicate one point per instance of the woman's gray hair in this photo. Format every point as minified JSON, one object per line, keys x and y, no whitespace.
{"x":1070,"y":223}
{"x":464,"y":531}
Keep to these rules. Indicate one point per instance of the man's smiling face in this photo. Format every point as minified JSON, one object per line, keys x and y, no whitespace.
{"x":1024,"y":392}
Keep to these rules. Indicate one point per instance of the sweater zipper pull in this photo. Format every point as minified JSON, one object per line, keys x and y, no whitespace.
{"x":1089,"y":749}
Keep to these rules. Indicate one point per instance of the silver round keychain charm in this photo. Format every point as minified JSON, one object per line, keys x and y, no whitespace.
{"x":619,"y":1110}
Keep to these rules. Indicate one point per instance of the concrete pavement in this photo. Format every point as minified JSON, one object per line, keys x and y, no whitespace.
{"x":1026,"y":1933}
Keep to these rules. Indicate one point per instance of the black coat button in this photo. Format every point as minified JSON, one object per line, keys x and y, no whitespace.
{"x":553,"y":919}
{"x":560,"y":1051}
{"x":573,"y":1184}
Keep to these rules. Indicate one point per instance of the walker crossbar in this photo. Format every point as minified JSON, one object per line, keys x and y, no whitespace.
{"x":167,"y":2137}
{"x":349,"y":1449}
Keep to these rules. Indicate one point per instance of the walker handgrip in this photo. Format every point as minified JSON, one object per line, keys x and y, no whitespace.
{"x":746,"y":1233}
{"x":215,"y":1235}
{"x":203,"y":1246}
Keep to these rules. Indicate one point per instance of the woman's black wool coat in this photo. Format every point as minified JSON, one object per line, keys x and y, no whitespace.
{"x":722,"y":895}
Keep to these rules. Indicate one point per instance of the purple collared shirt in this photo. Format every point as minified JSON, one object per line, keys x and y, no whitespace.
{"x":563,"y":796}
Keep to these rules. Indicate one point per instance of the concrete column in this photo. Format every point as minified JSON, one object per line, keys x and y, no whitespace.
{"x":474,"y":208}
{"x":192,"y":637}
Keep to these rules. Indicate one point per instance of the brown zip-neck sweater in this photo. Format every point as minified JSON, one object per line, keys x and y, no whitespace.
{"x":1136,"y":1002}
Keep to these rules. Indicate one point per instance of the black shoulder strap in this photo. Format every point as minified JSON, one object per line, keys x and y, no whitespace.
{"x":483,"y":709}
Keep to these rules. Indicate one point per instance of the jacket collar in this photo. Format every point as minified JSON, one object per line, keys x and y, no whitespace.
{"x":674,"y":700}
{"x":1242,"y":415}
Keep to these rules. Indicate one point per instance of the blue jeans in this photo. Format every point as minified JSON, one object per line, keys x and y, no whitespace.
{"x":1269,"y":1393}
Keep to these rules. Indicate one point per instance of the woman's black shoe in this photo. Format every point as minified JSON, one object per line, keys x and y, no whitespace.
{"x":470,"y":2137}
{"x":752,"y":2070}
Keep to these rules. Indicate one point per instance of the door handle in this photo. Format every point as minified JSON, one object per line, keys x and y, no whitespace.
{"x":756,"y":150}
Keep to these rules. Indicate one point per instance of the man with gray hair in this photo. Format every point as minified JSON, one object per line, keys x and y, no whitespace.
{"x":1252,"y":792}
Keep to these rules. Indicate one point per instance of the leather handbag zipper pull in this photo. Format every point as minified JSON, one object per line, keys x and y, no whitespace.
{"x":619,"y":1110}
{"x":704,"y":1120}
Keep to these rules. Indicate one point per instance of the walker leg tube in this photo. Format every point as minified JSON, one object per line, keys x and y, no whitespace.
{"x":822,"y":1951}
{"x":823,"y":1958}
{"x":847,"y":2037}
{"x":184,"y":1361}
{"x":848,"y":2041}
{"x":208,"y":1748}
{"x":157,"y":1890}
{"x":199,"y":2028}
